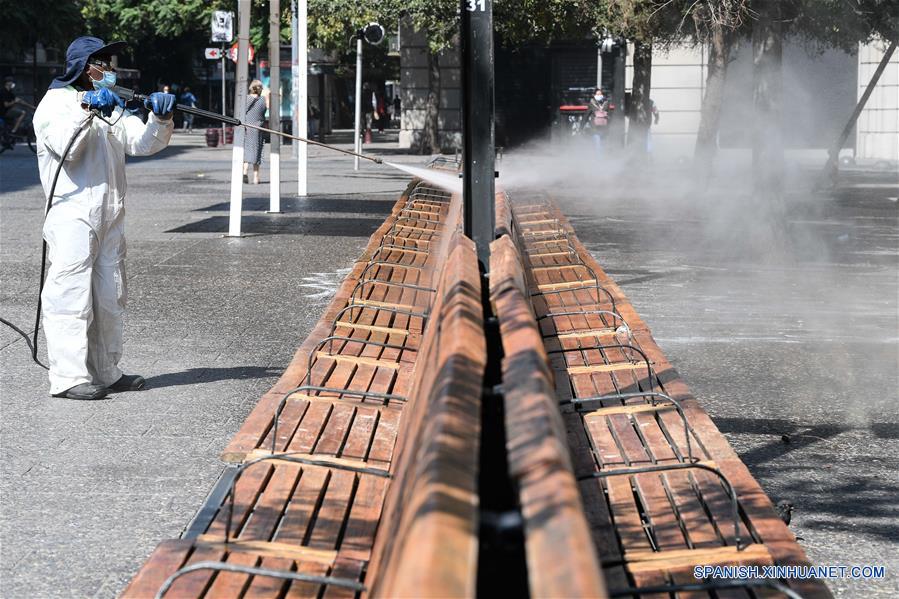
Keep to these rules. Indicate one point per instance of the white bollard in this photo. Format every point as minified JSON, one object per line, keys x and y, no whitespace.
{"x":240,"y":102}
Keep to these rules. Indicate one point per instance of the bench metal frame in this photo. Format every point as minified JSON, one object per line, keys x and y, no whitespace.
{"x":282,"y":574}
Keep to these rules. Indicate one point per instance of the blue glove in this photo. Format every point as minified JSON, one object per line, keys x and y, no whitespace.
{"x":161,"y":104}
{"x":104,"y":99}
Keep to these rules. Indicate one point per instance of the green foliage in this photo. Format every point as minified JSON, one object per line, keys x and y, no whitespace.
{"x":133,"y":20}
{"x":543,"y":21}
{"x":841,"y":23}
{"x":146,"y":23}
{"x":332,"y":23}
{"x":259,"y":24}
{"x":660,"y":22}
{"x":25,"y":23}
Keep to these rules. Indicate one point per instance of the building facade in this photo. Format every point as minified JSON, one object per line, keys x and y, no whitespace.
{"x":877,"y":130}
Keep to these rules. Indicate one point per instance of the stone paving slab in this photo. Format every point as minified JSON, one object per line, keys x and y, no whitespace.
{"x":88,"y":489}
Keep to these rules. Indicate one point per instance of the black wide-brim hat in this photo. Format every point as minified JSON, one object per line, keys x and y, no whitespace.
{"x":79,"y":52}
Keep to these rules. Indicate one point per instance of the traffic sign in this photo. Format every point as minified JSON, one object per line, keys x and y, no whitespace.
{"x":213,"y":53}
{"x":251,"y":53}
{"x":222,"y":26}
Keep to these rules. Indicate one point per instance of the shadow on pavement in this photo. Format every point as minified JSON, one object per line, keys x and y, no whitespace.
{"x":193,"y":376}
{"x":319,"y":203}
{"x":288,"y":225}
{"x":18,"y":170}
{"x":167,"y":152}
{"x":850,"y":501}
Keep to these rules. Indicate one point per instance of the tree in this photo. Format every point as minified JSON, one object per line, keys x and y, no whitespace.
{"x":168,"y":31}
{"x":715,"y":25}
{"x":819,"y":23}
{"x":648,"y":24}
{"x":26,"y":25}
{"x":515,"y":21}
{"x":767,"y":97}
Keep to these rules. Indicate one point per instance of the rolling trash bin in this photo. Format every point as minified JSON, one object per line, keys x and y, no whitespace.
{"x":212,"y":137}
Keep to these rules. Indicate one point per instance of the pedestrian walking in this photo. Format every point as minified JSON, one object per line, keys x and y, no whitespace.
{"x":82,"y":123}
{"x":379,"y":111}
{"x":188,"y":99}
{"x":654,"y":120}
{"x":252,"y":141}
{"x":598,"y":118}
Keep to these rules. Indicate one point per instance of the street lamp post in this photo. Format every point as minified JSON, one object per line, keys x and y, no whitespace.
{"x":373,"y":33}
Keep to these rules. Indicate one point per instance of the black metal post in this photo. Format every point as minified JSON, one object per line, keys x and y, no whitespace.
{"x":477,"y":125}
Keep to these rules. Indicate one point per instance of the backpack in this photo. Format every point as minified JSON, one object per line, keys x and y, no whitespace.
{"x":600,"y":117}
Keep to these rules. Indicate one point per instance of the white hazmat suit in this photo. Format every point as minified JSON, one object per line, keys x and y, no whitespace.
{"x":85,"y":292}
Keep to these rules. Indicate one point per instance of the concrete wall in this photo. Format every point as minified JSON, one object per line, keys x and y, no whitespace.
{"x":414,"y":92}
{"x":819,"y":94}
{"x":877,"y":130}
{"x":678,"y":84}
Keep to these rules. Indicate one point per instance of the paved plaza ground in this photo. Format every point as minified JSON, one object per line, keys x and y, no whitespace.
{"x":89,"y":488}
{"x":793,"y":352}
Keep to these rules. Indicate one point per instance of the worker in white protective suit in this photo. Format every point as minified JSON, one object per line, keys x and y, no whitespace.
{"x":85,"y":291}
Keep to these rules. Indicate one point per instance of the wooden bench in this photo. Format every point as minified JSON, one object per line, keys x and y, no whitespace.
{"x":302,"y":521}
{"x":561,"y":558}
{"x":657,"y":478}
{"x":427,"y":542}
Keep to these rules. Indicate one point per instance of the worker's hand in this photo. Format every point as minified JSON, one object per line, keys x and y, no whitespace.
{"x":161,"y":104}
{"x":104,"y":99}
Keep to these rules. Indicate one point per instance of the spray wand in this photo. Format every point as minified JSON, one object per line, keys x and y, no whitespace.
{"x":129,"y":95}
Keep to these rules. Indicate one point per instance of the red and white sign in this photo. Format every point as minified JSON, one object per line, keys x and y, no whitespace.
{"x":213,"y":53}
{"x":232,"y":53}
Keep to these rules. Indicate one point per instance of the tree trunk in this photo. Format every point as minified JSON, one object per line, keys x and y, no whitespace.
{"x":431,"y":139}
{"x":830,"y":168}
{"x":767,"y":141}
{"x":641,"y":105}
{"x":707,"y":136}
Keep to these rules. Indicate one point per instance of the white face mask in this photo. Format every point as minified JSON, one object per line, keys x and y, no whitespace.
{"x":109,"y":80}
{"x":598,"y":97}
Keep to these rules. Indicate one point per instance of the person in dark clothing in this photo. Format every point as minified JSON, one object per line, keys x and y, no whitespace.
{"x":598,"y":117}
{"x":10,"y":109}
{"x":188,"y":99}
{"x":368,"y":110}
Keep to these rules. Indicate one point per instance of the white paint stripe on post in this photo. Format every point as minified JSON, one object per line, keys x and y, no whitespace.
{"x":357,"y":140}
{"x":240,"y":101}
{"x":302,"y":98}
{"x":274,"y":203}
{"x":294,"y":76}
{"x":274,"y":105}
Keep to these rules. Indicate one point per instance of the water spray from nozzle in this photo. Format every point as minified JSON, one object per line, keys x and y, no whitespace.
{"x":130,"y":94}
